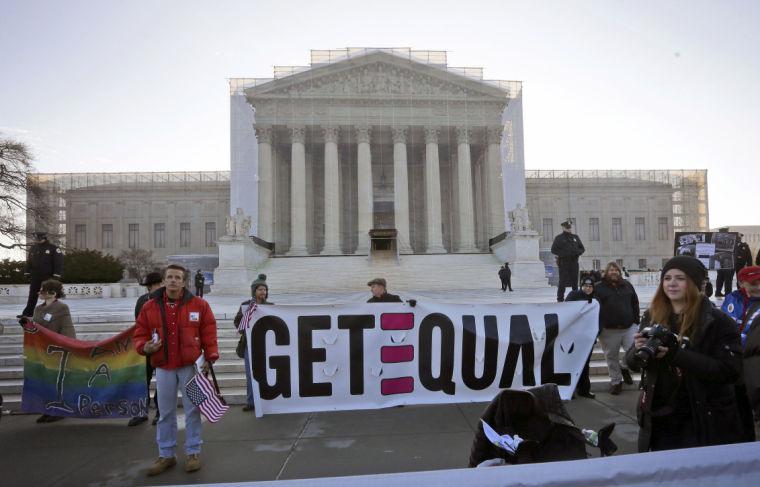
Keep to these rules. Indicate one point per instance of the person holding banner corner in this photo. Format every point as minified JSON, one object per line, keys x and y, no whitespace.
{"x":175,"y":328}
{"x":380,"y":294}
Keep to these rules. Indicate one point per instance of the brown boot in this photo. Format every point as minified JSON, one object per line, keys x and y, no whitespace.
{"x":192,"y":463}
{"x":616,"y":389}
{"x":161,"y":466}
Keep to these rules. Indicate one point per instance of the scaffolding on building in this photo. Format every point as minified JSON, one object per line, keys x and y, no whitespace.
{"x":689,"y":189}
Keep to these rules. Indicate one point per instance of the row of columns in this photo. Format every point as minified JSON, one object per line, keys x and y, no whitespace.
{"x":466,"y":243}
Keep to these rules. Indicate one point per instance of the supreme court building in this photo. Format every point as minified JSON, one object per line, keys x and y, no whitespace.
{"x":376,"y":140}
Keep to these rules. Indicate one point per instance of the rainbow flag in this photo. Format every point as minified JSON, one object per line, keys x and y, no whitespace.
{"x":83,"y":379}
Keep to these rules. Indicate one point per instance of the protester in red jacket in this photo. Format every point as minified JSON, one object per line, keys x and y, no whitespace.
{"x":175,"y":328}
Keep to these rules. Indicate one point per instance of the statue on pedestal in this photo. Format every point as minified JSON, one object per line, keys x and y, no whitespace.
{"x":238,"y":225}
{"x":520,"y":219}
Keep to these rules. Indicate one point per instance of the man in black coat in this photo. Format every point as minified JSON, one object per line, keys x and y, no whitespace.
{"x":43,"y":261}
{"x":200,"y":282}
{"x":505,"y":274}
{"x":380,"y":294}
{"x":567,"y":247}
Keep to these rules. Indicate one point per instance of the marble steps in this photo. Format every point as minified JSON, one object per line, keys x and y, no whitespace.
{"x":412,"y":272}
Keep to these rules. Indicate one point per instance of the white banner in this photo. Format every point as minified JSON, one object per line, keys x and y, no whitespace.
{"x":366,"y":356}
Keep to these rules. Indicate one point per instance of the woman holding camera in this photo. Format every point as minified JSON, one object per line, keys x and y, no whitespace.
{"x":689,"y":363}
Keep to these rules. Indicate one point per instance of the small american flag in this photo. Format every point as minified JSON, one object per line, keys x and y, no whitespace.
{"x":247,"y":316}
{"x":201,"y":392}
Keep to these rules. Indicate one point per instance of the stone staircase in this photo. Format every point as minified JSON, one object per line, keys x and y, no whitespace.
{"x":411,"y":272}
{"x":229,"y":369}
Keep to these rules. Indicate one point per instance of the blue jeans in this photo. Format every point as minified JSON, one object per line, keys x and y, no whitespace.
{"x":167,"y":384}
{"x":248,"y":383}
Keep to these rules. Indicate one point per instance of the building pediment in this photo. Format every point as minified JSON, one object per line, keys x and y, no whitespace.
{"x":377,"y":75}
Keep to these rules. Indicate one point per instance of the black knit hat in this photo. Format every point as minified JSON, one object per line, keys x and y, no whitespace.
{"x":690,"y":266}
{"x":260,"y":281}
{"x":152,"y":278}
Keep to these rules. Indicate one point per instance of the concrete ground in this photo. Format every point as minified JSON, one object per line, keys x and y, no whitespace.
{"x":288,"y":446}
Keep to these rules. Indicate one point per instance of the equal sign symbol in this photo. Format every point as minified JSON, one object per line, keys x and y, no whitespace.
{"x":397,"y":353}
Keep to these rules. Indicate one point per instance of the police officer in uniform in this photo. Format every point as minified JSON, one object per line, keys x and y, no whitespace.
{"x":43,"y":261}
{"x":567,"y":247}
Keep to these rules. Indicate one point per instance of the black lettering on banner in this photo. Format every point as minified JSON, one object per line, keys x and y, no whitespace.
{"x":101,"y":370}
{"x":551,"y":322}
{"x":490,"y":353}
{"x":279,"y":363}
{"x":444,"y":381}
{"x":308,"y":355}
{"x":59,"y":402}
{"x":356,"y":324}
{"x":520,"y":340}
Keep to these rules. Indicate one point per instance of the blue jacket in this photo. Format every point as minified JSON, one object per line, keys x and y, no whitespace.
{"x":736,"y":305}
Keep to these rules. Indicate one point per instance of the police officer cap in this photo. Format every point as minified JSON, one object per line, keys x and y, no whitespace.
{"x":40,"y":235}
{"x":567,"y":224}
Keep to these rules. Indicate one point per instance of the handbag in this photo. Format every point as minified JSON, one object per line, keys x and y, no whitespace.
{"x":240,"y":349}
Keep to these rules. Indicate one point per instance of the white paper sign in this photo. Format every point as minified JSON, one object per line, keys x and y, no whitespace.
{"x":366,"y":356}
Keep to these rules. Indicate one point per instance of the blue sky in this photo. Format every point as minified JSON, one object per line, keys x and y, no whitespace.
{"x":141,"y":86}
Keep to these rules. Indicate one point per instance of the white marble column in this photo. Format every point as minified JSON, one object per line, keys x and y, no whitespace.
{"x":297,"y":191}
{"x":401,"y":190}
{"x":464,"y":178}
{"x":364,"y":187}
{"x":332,"y":195}
{"x":494,"y":183}
{"x":433,"y":193}
{"x":265,"y":183}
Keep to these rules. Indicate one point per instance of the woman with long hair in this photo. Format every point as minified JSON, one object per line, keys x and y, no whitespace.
{"x":690,"y":363}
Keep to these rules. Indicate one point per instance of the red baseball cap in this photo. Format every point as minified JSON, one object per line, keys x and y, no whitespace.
{"x":749,"y":274}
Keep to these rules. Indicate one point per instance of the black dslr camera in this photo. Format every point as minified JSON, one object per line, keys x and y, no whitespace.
{"x":657,"y":336}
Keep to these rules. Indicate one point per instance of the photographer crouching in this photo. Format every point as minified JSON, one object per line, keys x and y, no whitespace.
{"x":690,"y":355}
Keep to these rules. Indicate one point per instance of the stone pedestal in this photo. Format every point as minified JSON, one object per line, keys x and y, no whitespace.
{"x":520,"y":249}
{"x":239,"y":259}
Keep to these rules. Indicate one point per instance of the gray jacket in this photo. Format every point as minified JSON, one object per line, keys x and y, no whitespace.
{"x":55,"y":317}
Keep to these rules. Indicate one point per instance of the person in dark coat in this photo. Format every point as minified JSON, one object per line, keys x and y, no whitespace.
{"x":260,"y":295}
{"x":43,"y":261}
{"x":505,"y":274}
{"x":152,"y":282}
{"x":751,"y":360}
{"x":688,"y":397}
{"x":379,"y":292}
{"x":618,"y":319}
{"x":585,"y":293}
{"x":200,"y":281}
{"x":567,"y":247}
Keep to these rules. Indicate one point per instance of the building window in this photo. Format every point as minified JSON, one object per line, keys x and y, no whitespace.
{"x":642,"y":264}
{"x":596,"y":264}
{"x":593,"y":229}
{"x":210,"y":234}
{"x":619,"y":262}
{"x":107,"y":235}
{"x":617,"y":229}
{"x":640,"y":228}
{"x":184,"y":234}
{"x":548,"y":229}
{"x":159,"y":235}
{"x":134,"y":235}
{"x":80,"y":236}
{"x":662,"y":228}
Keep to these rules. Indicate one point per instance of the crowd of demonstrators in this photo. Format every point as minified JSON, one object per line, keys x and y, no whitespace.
{"x":259,"y":295}
{"x":175,"y":329}
{"x":54,"y":315}
{"x":618,"y":320}
{"x":567,"y":247}
{"x":380,"y":294}
{"x":43,"y":261}
{"x":585,"y":293}
{"x":505,"y":275}
{"x":689,"y":365}
{"x":743,"y":305}
{"x":200,"y":283}
{"x":152,"y":282}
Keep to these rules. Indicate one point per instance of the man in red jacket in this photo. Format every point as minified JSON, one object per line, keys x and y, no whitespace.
{"x":174,"y":328}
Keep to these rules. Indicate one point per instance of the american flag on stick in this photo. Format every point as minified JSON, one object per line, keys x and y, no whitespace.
{"x":247,"y":315}
{"x":202,"y":393}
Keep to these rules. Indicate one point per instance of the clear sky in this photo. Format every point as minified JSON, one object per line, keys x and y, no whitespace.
{"x":141,"y":85}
